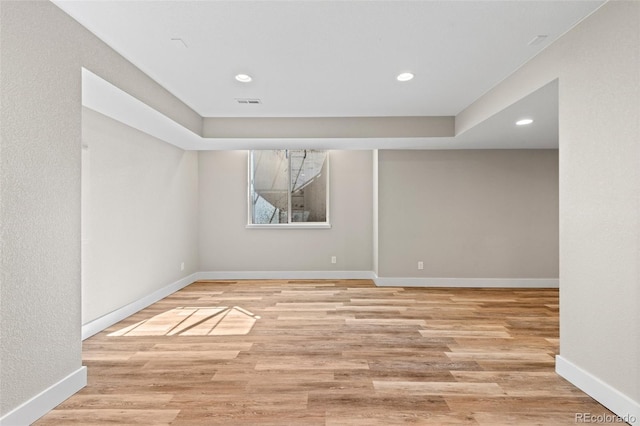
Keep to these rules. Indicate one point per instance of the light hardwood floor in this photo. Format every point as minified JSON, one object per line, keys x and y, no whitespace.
{"x":284,"y":352}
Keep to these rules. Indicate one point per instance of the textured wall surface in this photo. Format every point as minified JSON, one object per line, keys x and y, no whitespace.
{"x":42,"y":53}
{"x":598,"y":65}
{"x":600,"y":197}
{"x":142,"y":215}
{"x":226,"y":245}
{"x":40,"y":203}
{"x":468,"y":214}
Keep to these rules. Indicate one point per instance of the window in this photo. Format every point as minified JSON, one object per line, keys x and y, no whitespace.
{"x":289,"y":188}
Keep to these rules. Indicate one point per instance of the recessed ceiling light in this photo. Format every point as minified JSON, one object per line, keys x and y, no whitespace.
{"x":243,"y":78}
{"x":405,"y":76}
{"x":524,"y":122}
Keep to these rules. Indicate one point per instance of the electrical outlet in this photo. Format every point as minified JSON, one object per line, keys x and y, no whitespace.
{"x":182,"y":266}
{"x":334,"y":259}
{"x":421,"y":265}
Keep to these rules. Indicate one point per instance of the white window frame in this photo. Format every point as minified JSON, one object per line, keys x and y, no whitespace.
{"x":289,"y":225}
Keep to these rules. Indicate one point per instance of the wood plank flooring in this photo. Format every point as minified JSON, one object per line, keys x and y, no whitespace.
{"x":342,"y":352}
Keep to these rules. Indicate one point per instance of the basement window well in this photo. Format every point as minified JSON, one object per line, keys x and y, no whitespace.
{"x":288,"y":188}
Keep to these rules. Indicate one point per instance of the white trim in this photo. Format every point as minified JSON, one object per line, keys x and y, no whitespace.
{"x":46,"y":400}
{"x":292,"y":225}
{"x":105,"y":321}
{"x":376,"y":212}
{"x":468,"y":282}
{"x":285,"y":275}
{"x":613,"y":399}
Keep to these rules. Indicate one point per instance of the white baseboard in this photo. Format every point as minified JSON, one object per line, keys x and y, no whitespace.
{"x":468,"y":282}
{"x":46,"y":400}
{"x":285,"y":275}
{"x":105,"y":321}
{"x":614,"y":400}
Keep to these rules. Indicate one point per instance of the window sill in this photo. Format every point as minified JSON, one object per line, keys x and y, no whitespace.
{"x":289,"y":226}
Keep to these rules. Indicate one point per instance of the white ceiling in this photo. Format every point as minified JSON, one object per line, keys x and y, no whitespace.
{"x":497,"y":132}
{"x":328,"y":58}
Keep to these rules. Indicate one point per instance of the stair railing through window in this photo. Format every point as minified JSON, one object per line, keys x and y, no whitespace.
{"x":288,"y":187}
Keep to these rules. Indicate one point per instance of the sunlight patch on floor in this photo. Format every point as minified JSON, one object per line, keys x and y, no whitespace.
{"x":202,"y":321}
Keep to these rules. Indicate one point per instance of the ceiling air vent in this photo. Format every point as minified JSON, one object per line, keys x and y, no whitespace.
{"x":249,"y":101}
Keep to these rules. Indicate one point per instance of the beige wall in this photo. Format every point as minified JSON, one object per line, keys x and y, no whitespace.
{"x":598,"y":66}
{"x":327,"y":127}
{"x":142,"y":215}
{"x":42,"y":53}
{"x":468,"y":213}
{"x":226,"y":245}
